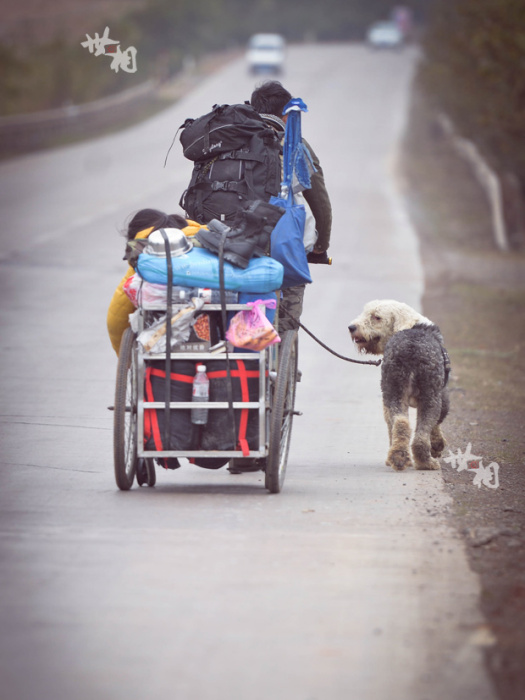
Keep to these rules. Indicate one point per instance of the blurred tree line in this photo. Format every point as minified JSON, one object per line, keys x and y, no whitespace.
{"x":474,"y":71}
{"x":165,"y":34}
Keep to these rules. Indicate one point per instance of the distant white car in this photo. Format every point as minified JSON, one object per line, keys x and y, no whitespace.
{"x":385,"y":35}
{"x":266,"y":53}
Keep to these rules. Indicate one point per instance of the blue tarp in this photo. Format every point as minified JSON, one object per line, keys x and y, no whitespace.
{"x":296,"y":157}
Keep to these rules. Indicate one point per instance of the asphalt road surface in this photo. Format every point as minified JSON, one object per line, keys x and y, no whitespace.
{"x":349,"y":584}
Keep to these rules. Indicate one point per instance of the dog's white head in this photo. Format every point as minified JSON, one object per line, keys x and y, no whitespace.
{"x":379,"y":321}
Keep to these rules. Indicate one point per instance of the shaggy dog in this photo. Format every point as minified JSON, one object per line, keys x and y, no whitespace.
{"x":414,"y":372}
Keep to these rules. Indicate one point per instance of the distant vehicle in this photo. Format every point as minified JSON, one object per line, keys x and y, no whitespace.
{"x":385,"y":35}
{"x":265,"y":53}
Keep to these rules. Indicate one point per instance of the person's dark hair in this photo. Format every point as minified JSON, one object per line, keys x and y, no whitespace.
{"x":270,"y":98}
{"x":147,"y":218}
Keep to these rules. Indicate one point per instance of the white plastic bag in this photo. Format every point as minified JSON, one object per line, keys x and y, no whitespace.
{"x":310,"y":232}
{"x":147,"y":295}
{"x":153,"y":339}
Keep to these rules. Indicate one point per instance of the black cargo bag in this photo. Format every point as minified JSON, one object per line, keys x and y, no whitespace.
{"x":183,"y":435}
{"x":217,"y":433}
{"x":237,"y":160}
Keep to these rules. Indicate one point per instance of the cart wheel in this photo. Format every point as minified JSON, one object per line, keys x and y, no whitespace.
{"x":152,"y":476}
{"x":281,"y":416}
{"x":125,"y":423}
{"x":145,"y":472}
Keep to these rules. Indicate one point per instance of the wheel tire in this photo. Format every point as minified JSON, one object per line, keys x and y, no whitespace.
{"x":145,"y":472}
{"x":282,"y":408}
{"x":125,"y":415}
{"x":141,"y":472}
{"x":152,"y":475}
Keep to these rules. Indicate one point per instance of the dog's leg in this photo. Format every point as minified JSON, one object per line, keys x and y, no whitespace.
{"x":395,"y":409}
{"x":437,"y":441}
{"x":428,"y":413}
{"x":388,"y":420}
{"x":399,"y":452}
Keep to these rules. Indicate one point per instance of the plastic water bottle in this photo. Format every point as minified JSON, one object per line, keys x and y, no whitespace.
{"x":201,"y":392}
{"x":214,"y":296}
{"x":210,"y":296}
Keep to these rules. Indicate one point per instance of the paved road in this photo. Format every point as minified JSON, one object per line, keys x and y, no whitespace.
{"x":348,"y":584}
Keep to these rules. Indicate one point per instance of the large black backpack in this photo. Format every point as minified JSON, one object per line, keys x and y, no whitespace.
{"x":236,"y":158}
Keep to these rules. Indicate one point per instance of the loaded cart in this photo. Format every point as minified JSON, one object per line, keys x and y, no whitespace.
{"x":250,"y":407}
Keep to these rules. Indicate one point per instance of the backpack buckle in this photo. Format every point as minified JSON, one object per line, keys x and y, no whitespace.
{"x":226,"y":186}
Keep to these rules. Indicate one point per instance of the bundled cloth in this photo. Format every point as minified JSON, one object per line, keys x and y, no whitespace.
{"x":151,"y":297}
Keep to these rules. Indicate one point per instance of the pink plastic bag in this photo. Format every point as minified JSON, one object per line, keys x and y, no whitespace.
{"x":250,"y":329}
{"x":147,"y":295}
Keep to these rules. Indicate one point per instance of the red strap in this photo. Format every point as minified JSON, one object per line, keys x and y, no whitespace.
{"x":220,"y":374}
{"x":187,"y":379}
{"x":147,"y":415}
{"x":150,"y":414}
{"x":245,"y":395}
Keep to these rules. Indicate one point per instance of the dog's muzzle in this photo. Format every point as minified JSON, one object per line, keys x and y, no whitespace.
{"x":356,"y":337}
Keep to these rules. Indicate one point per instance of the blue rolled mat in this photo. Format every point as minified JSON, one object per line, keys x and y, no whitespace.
{"x":200,"y":268}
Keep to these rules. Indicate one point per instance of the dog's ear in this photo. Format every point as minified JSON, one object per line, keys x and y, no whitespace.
{"x":406,"y":317}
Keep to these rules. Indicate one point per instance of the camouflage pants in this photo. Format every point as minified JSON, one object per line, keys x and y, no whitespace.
{"x":291,"y":308}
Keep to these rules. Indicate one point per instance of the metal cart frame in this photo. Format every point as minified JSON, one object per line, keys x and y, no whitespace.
{"x":275,"y":405}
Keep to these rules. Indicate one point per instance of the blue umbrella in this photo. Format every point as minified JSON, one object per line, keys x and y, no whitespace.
{"x":296,"y":157}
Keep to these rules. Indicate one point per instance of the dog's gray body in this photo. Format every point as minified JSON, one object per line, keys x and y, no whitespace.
{"x":414,"y":372}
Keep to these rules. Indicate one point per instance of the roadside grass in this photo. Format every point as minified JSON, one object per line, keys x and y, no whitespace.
{"x":166,"y":95}
{"x":488,"y":370}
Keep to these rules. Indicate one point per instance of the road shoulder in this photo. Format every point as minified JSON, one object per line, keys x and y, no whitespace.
{"x":476,"y":295}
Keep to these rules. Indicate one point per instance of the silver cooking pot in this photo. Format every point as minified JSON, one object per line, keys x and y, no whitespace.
{"x":179,"y":243}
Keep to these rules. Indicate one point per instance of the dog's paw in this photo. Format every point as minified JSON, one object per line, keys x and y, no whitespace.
{"x":437,"y":442}
{"x":437,"y":447}
{"x":423,"y":454}
{"x":428,"y":465}
{"x":399,"y":460}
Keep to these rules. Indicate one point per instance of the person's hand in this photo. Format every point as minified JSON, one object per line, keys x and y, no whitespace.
{"x":320,"y":257}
